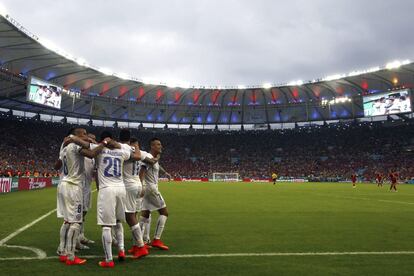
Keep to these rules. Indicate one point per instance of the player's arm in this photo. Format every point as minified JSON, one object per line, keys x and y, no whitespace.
{"x":92,"y":153}
{"x":136,"y":153}
{"x":151,"y":161}
{"x":113,"y":144}
{"x":165,"y":172}
{"x":78,"y":141}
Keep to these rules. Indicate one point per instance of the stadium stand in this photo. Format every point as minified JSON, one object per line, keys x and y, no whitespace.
{"x":322,"y":153}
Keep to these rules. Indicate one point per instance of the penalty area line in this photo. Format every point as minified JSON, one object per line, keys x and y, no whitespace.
{"x":40,"y":253}
{"x":215,"y":255}
{"x":18,"y":231}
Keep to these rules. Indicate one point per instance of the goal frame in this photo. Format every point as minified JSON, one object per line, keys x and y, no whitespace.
{"x":225,"y":176}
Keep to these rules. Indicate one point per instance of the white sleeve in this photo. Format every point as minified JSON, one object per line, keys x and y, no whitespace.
{"x":144,"y":155}
{"x":126,"y":151}
{"x":92,"y":146}
{"x":61,"y":155}
{"x":143,"y":165}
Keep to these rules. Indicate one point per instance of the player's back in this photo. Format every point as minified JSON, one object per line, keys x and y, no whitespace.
{"x":131,"y":173}
{"x":73,"y":164}
{"x":110,"y":164}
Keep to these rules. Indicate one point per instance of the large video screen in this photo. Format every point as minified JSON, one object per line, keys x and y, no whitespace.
{"x":392,"y":102}
{"x":43,"y":92}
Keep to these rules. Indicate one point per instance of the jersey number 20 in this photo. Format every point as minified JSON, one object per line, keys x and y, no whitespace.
{"x":114,"y":165}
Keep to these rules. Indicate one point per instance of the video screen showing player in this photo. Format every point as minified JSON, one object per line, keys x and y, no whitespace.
{"x":42,"y":92}
{"x":394,"y":102}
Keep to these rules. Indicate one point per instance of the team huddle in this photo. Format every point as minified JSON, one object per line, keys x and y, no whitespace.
{"x":127,"y":182}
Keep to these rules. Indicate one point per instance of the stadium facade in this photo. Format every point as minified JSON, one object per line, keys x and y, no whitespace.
{"x":95,"y":95}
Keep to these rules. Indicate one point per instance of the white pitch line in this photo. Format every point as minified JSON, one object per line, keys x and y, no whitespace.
{"x":40,"y":253}
{"x":18,"y":231}
{"x":215,"y":255}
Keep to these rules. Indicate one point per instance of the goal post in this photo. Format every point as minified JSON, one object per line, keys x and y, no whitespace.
{"x":225,"y":177}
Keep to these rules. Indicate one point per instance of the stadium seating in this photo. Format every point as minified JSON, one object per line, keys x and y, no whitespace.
{"x":322,"y":153}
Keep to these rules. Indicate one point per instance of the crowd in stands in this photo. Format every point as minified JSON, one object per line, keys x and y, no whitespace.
{"x":30,"y":147}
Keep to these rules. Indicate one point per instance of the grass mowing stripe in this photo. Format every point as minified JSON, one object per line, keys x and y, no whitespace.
{"x":369,"y":199}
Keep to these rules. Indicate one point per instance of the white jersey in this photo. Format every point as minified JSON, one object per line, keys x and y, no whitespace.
{"x":110,"y":164}
{"x":61,"y":159}
{"x":73,"y":164}
{"x":131,"y":171}
{"x":152,"y":171}
{"x":89,"y":169}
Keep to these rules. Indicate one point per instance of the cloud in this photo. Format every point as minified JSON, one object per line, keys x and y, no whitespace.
{"x":225,"y":42}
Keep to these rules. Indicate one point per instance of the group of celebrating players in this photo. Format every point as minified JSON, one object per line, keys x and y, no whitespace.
{"x":127,"y":183}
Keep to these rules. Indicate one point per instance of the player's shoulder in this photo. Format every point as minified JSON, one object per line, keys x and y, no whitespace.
{"x":126,"y":147}
{"x":73,"y":147}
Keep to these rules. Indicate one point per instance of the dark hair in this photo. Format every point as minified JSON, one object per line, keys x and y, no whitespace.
{"x":105,"y":134}
{"x":125,"y":135}
{"x":133,"y":140}
{"x":73,"y":130}
{"x":154,"y":139}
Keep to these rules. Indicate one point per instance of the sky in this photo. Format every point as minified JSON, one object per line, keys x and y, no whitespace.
{"x":224,"y":42}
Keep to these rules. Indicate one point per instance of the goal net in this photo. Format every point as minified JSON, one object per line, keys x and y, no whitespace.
{"x":229,"y":177}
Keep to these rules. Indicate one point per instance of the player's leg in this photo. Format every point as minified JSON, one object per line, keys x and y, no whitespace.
{"x":146,"y":208}
{"x":107,"y":246}
{"x":120,"y":217}
{"x":144,"y":217}
{"x":61,"y":251}
{"x":82,"y":241}
{"x":160,"y":226}
{"x":62,"y":241}
{"x":147,"y":230}
{"x":73,"y":203}
{"x":86,"y":206}
{"x":106,"y":219}
{"x":138,"y":249}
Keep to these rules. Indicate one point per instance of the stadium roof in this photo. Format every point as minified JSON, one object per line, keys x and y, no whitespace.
{"x":101,"y":93}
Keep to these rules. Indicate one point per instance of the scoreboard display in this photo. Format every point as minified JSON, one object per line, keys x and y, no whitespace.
{"x":392,"y":102}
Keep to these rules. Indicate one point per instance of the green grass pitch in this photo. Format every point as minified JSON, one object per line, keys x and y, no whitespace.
{"x":213,"y":218}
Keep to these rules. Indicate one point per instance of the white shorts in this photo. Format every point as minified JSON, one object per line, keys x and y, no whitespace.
{"x":70,"y":202}
{"x":138,"y":207}
{"x":111,"y":205}
{"x":153,"y":199}
{"x":132,"y":198}
{"x":87,"y":202}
